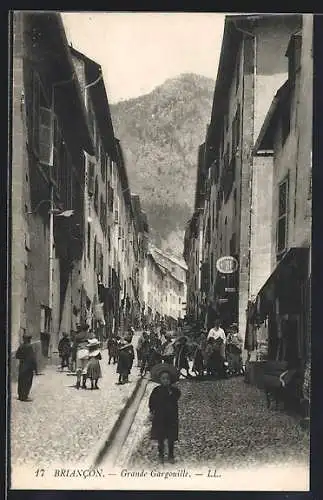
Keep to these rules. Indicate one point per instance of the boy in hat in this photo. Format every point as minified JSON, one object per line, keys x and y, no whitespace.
{"x":112,"y":345}
{"x":163,"y":405}
{"x":125,"y":360}
{"x":27,"y":367}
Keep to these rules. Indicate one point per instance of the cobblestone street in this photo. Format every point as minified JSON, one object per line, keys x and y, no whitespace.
{"x":224,"y":423}
{"x":62,"y":424}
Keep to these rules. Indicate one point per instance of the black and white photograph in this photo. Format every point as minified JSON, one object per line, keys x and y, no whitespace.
{"x":160,"y":267}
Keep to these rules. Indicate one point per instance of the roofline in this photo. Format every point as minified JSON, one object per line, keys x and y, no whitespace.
{"x":270,"y":116}
{"x":82,"y":56}
{"x":231,"y":42}
{"x":173,"y":259}
{"x":100,"y":88}
{"x":48,"y":21}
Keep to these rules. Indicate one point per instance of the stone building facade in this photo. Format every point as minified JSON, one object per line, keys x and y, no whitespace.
{"x":235,"y":217}
{"x":285,"y":139}
{"x":79,"y":238}
{"x":50,"y":137}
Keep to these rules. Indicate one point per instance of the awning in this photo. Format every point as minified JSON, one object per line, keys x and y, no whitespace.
{"x":293,"y":267}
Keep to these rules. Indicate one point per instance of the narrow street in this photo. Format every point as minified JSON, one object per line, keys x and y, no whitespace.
{"x":63,"y":424}
{"x":162,"y":212}
{"x":224,"y":423}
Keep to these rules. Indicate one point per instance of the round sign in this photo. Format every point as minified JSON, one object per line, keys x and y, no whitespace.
{"x":227,"y":265}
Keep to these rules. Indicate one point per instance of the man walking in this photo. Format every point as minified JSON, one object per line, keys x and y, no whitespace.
{"x":64,"y":350}
{"x":27,"y":367}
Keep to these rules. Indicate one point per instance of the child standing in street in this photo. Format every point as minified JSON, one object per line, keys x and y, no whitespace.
{"x":125,"y":360}
{"x":93,"y":371}
{"x":163,"y":405}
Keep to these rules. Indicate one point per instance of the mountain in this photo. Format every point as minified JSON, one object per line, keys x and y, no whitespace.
{"x":160,"y":133}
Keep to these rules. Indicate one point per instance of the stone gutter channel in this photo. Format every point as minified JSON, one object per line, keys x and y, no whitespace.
{"x":109,"y":448}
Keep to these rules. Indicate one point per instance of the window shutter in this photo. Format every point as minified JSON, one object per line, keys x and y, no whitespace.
{"x":45,"y":136}
{"x":35,"y":114}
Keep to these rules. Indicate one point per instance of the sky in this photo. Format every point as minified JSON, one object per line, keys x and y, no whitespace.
{"x":139,"y":51}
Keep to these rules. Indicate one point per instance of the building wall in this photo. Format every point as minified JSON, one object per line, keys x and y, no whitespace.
{"x":304,"y":124}
{"x":261,"y":223}
{"x":261,"y":68}
{"x":293,"y":158}
{"x":18,"y":261}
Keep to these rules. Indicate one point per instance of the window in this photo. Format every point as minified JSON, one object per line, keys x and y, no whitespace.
{"x":282,"y":217}
{"x":109,"y":238}
{"x":103,"y":162}
{"x":226,"y":158}
{"x":225,"y":233}
{"x":42,"y":123}
{"x":103,"y":214}
{"x":233,"y":245}
{"x":110,"y":197}
{"x":96,"y":196}
{"x":236,"y":132}
{"x":235,"y":201}
{"x":90,"y":180}
{"x":101,"y":262}
{"x":89,"y":241}
{"x":95,"y":253}
{"x":58,"y":152}
{"x":226,"y":123}
{"x":213,"y":215}
{"x":238,"y":73}
{"x":91,"y":116}
{"x":212,"y":266}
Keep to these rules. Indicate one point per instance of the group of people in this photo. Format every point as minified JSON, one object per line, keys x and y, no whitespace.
{"x":154,"y":348}
{"x":217,"y":353}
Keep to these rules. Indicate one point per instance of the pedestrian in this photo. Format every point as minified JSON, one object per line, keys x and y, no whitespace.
{"x":305,"y":422}
{"x":93,"y":367}
{"x":64,"y":350}
{"x":211,"y":357}
{"x":155,"y":355}
{"x":131,"y":332}
{"x":144,"y":354}
{"x":163,"y":405}
{"x":218,"y":332}
{"x":181,"y":360}
{"x":82,"y":355}
{"x":112,"y":345}
{"x":27,"y":367}
{"x":198,"y":361}
{"x":73,"y":351}
{"x":168,"y":350}
{"x":125,"y":360}
{"x":139,"y":347}
{"x":234,"y":351}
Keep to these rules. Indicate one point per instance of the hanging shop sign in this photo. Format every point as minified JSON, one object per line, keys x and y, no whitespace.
{"x":227,"y":265}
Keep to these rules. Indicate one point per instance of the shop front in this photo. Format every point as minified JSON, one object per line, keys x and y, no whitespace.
{"x":278,"y":326}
